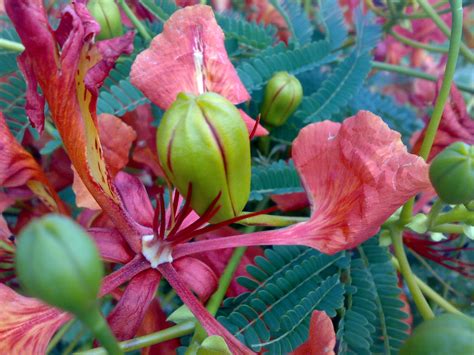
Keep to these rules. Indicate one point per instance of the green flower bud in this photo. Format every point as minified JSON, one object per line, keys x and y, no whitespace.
{"x":203,"y":141}
{"x":57,"y":262}
{"x":452,"y":173}
{"x":446,"y":334}
{"x":107,"y":14}
{"x":283,"y":95}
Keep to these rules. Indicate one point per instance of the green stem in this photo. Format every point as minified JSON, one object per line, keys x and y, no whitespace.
{"x":431,"y":294}
{"x":434,"y":211}
{"x":136,"y":22}
{"x":59,"y":335}
{"x":217,"y":297}
{"x":416,"y":74}
{"x":456,"y":10}
{"x":409,"y":277}
{"x":11,"y":45}
{"x":101,"y":330}
{"x":173,"y":332}
{"x":416,"y":44}
{"x":457,"y":214}
{"x":272,"y":220}
{"x":432,"y":129}
{"x":448,"y":229}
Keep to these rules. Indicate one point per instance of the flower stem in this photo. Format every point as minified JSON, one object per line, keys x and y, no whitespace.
{"x":416,"y":74}
{"x":11,"y":45}
{"x":405,"y":270}
{"x":161,"y":336}
{"x":217,"y":297}
{"x":430,"y":293}
{"x":416,"y":44}
{"x":272,"y":220}
{"x":456,"y":10}
{"x":432,"y":129}
{"x":99,"y":327}
{"x":136,"y":22}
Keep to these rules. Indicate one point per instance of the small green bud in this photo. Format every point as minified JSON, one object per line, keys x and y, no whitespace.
{"x":283,"y":94}
{"x":107,"y":14}
{"x":57,"y":262}
{"x":446,"y":334}
{"x":203,"y":141}
{"x":452,"y":173}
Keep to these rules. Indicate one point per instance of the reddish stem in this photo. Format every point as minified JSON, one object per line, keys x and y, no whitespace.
{"x":209,"y":323}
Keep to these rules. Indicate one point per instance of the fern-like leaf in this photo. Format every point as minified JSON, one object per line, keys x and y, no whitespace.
{"x":255,"y":72}
{"x":287,"y":285}
{"x":297,"y":20}
{"x":374,"y":321}
{"x":118,"y":95}
{"x":12,"y":104}
{"x":333,"y":20}
{"x":367,"y":30}
{"x":247,"y":33}
{"x":278,"y":178}
{"x":8,"y":57}
{"x":161,"y":9}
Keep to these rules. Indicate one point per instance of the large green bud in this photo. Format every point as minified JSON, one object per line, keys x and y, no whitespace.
{"x":452,"y":173}
{"x":202,"y":140}
{"x":283,"y":94}
{"x":57,"y":262}
{"x":451,"y":334}
{"x":107,"y":14}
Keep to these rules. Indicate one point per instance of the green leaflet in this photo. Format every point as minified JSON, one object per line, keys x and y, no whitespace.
{"x":7,"y":57}
{"x":118,"y":96}
{"x":332,"y":18}
{"x":12,"y":104}
{"x":374,"y":322}
{"x":297,"y":20}
{"x":287,"y":285}
{"x":255,"y":72}
{"x":278,"y":178}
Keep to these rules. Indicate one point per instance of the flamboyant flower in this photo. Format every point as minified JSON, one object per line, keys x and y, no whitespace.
{"x":19,"y":169}
{"x":262,"y":11}
{"x":199,"y":64}
{"x":354,"y":183}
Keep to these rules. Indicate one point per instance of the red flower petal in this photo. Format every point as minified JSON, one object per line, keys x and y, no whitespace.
{"x":198,"y":276}
{"x":322,"y":338}
{"x":356,"y":174}
{"x":19,"y":168}
{"x":188,"y":56}
{"x":127,"y":316}
{"x":291,"y":201}
{"x":69,"y":80}
{"x":26,"y":324}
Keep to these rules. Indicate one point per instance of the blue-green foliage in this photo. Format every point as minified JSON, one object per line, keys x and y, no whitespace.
{"x":12,"y":104}
{"x":368,"y":31}
{"x":117,"y":95}
{"x":7,"y":57}
{"x":374,"y":320}
{"x":255,"y":72}
{"x":333,"y":19}
{"x":299,"y":25}
{"x":285,"y":287}
{"x":277,"y":178}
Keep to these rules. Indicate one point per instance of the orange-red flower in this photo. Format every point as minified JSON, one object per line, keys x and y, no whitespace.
{"x":26,"y":324}
{"x":198,"y":64}
{"x":321,"y":339}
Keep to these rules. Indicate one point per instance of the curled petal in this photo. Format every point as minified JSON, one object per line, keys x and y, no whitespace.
{"x":26,"y":324}
{"x":198,"y":276}
{"x":19,"y":168}
{"x":356,"y":175}
{"x":321,"y":339}
{"x":198,"y":64}
{"x":69,"y":79}
{"x":130,"y":311}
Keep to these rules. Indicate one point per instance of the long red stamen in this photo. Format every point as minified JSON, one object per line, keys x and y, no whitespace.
{"x":254,"y":129}
{"x":183,"y":213}
{"x":162,"y":216}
